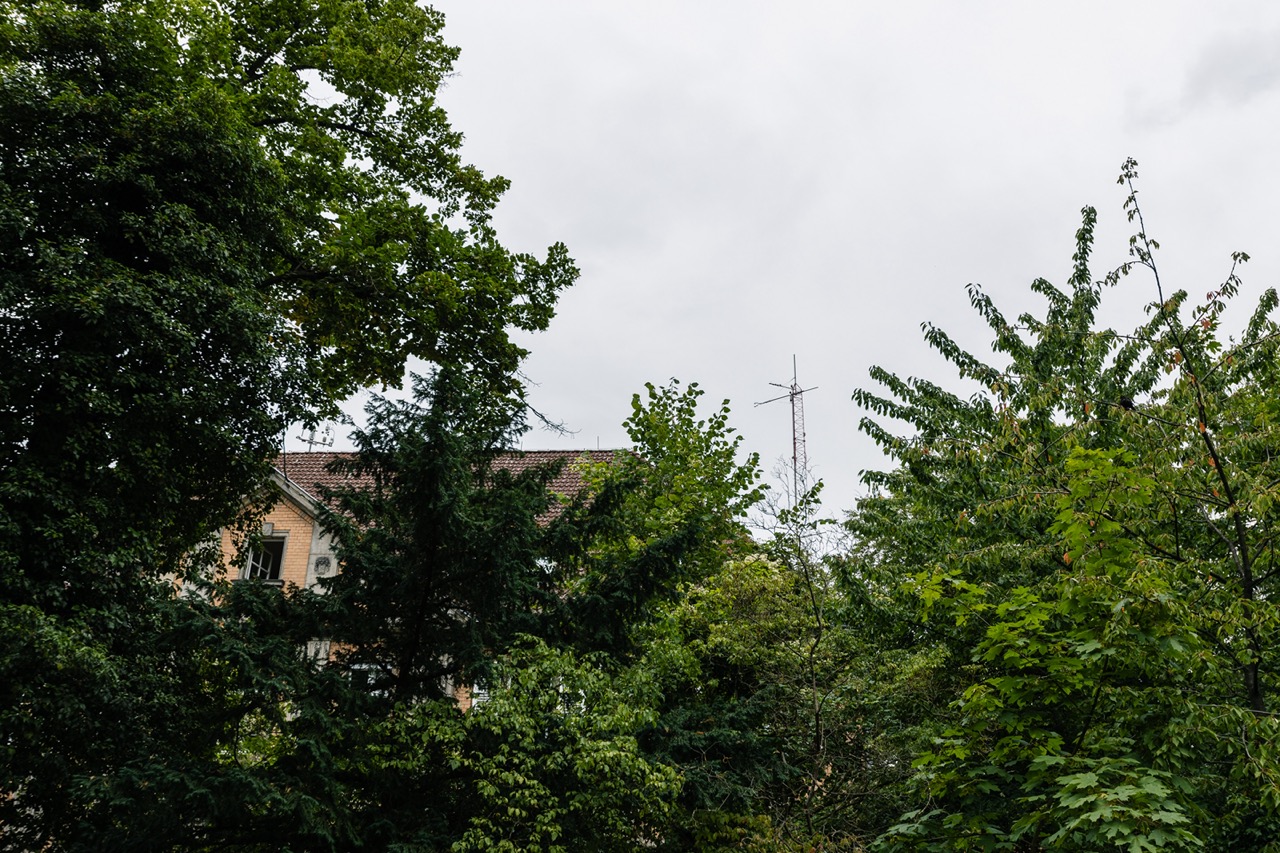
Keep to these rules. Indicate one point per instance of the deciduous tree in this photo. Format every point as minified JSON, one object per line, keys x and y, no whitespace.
{"x":1089,"y":542}
{"x":670,"y":511}
{"x":214,"y":218}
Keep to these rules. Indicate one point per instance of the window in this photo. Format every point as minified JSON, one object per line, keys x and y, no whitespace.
{"x":318,"y":651}
{"x":369,"y":678}
{"x":265,"y":561}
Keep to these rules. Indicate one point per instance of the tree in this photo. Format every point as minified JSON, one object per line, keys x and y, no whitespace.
{"x":549,"y":761}
{"x":441,"y":552}
{"x":1087,"y":541}
{"x":134,"y":217}
{"x":197,"y":250}
{"x":143,"y":389}
{"x":782,"y":706}
{"x":215,"y":218}
{"x":451,"y":575}
{"x":669,"y":512}
{"x":668,"y":582}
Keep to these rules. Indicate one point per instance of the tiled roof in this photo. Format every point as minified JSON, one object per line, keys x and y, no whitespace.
{"x":569,"y":481}
{"x":309,"y":470}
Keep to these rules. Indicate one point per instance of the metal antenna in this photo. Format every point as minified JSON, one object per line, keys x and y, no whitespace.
{"x":325,"y":439}
{"x":799,"y":455}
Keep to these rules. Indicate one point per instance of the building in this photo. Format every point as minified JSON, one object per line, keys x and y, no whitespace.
{"x":294,"y":548}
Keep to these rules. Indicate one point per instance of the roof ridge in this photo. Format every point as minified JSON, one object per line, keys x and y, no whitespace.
{"x":309,"y":469}
{"x":569,"y":450}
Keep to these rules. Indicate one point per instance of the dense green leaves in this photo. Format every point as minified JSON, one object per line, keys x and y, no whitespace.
{"x":548,"y":761}
{"x":671,"y":511}
{"x":440,"y":551}
{"x":1089,"y":539}
{"x":138,"y":217}
{"x":217,"y":218}
{"x":214,"y":219}
{"x":1049,"y":629}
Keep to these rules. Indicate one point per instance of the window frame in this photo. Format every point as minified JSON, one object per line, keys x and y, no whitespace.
{"x":275,"y":544}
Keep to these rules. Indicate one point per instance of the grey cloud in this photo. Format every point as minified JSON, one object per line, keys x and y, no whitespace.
{"x":1234,"y":70}
{"x":744,"y":181}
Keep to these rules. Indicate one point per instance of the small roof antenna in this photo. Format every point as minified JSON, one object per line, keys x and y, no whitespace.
{"x":325,"y":439}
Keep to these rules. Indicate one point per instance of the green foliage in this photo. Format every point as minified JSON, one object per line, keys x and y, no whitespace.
{"x":390,"y":250}
{"x":363,"y":228}
{"x":440,"y":551}
{"x":668,"y":512}
{"x":554,"y":761}
{"x":715,"y":656}
{"x":447,"y":578}
{"x":184,"y":741}
{"x":215,"y":218}
{"x":781,"y":715}
{"x":137,"y":219}
{"x":546,"y":761}
{"x":1087,"y":541}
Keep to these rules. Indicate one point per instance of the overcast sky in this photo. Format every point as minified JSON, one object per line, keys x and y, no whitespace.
{"x":744,"y":181}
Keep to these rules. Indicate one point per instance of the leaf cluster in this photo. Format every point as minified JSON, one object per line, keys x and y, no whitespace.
{"x":1089,"y":539}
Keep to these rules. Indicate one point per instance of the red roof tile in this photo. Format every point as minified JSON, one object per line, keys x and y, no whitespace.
{"x":569,"y":481}
{"x":309,"y":470}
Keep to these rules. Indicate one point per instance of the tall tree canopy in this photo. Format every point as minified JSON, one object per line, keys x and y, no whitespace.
{"x":449,"y":581}
{"x":1088,"y":543}
{"x":441,"y":551}
{"x":215,"y":218}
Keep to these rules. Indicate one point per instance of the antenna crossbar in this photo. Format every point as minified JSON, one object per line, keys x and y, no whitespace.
{"x":312,"y":442}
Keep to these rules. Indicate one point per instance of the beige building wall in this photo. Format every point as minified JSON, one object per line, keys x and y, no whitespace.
{"x":307,"y":552}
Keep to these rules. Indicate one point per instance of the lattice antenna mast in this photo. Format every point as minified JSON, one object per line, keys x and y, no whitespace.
{"x":799,"y":454}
